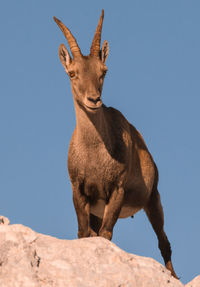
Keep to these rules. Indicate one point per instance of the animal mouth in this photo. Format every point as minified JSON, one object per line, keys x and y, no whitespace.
{"x":93,"y":108}
{"x":93,"y":104}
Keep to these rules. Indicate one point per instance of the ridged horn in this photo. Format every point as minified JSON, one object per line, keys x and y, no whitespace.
{"x":76,"y":52}
{"x":96,"y":43}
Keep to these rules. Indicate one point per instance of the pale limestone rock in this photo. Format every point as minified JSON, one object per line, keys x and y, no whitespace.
{"x":31,"y":259}
{"x":194,"y":283}
{"x":4,"y":220}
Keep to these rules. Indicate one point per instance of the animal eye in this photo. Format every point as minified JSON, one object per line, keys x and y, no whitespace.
{"x":72,"y":74}
{"x":104,"y":72}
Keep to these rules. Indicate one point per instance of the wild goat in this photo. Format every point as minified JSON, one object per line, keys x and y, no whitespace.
{"x":112,"y":173}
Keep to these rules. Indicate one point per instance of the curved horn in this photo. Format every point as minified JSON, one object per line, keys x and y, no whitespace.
{"x":76,"y":52}
{"x":96,"y":43}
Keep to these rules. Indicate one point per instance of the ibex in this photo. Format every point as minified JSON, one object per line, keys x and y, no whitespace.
{"x":112,"y":173}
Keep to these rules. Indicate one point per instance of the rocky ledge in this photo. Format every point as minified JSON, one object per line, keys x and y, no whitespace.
{"x":30,"y":259}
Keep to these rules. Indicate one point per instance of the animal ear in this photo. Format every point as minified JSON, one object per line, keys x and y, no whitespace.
{"x":64,"y":56}
{"x":104,"y":51}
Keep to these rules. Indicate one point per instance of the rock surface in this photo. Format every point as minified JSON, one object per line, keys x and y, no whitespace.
{"x":194,"y":283}
{"x":31,"y":259}
{"x":4,"y":220}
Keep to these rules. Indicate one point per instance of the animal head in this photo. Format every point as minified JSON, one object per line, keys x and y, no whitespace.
{"x":85,"y":72}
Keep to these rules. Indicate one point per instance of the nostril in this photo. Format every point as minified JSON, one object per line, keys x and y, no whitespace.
{"x":94,"y":100}
{"x":91,"y":99}
{"x":98,"y":99}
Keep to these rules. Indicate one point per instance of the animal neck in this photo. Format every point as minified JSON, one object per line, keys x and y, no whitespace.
{"x":91,"y":128}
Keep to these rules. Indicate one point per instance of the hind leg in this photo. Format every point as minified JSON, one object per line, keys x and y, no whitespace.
{"x":155,"y":214}
{"x":95,"y":223}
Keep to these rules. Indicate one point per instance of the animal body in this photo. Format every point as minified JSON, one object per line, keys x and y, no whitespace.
{"x":112,"y":173}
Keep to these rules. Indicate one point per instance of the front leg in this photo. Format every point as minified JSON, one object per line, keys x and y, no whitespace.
{"x":82,"y":208}
{"x":111,"y":213}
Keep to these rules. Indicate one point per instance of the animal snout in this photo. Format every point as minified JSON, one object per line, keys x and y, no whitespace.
{"x":94,"y":100}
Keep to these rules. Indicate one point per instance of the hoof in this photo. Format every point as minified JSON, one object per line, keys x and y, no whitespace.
{"x":106,"y":234}
{"x":169,"y":266}
{"x":93,"y":233}
{"x":88,"y":233}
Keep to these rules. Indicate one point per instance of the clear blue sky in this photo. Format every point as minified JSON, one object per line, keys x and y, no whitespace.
{"x":153,"y":79}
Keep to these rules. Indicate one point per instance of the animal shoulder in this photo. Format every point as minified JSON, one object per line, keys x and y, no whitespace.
{"x":119,"y":123}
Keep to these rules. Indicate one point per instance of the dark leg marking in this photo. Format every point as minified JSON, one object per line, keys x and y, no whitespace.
{"x":155,"y":214}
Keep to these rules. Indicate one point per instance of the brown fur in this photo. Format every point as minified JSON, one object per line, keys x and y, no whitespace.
{"x":111,"y":170}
